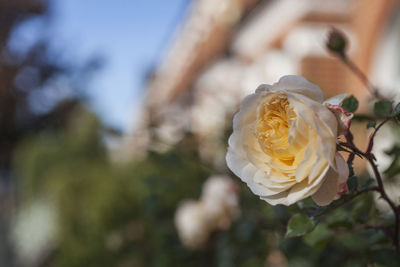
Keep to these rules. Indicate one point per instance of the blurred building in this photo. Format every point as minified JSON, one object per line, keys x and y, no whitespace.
{"x":225,"y":49}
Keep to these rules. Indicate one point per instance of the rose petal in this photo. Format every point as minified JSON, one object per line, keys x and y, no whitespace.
{"x":335,"y":100}
{"x":342,"y":168}
{"x":246,"y":172}
{"x":247,"y":112}
{"x":298,"y":192}
{"x":328,"y":189}
{"x":299,"y":85}
{"x":309,"y":158}
{"x":343,"y":117}
{"x":319,"y":111}
{"x":333,"y":182}
{"x":304,"y":189}
{"x":324,"y":124}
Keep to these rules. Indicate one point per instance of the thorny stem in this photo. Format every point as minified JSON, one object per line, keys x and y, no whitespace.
{"x":367,"y":154}
{"x":349,"y":138}
{"x":370,"y":157}
{"x":387,"y":199}
{"x":380,"y":188}
{"x":371,"y":139}
{"x":345,"y":147}
{"x":353,"y":67}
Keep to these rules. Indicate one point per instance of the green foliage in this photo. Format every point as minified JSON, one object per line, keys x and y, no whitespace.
{"x":383,"y":108}
{"x":362,"y":211}
{"x":371,"y":124}
{"x":396,"y":110}
{"x":362,"y":118}
{"x":339,"y":219}
{"x":115,"y":215}
{"x":385,"y":257}
{"x":394,"y":167}
{"x":123,"y":215}
{"x":350,"y":104}
{"x":352,"y":184}
{"x":319,"y":236}
{"x":299,"y":225}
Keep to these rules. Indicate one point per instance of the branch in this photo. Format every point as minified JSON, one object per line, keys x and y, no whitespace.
{"x":387,"y":199}
{"x":370,"y":158}
{"x":371,"y":138}
{"x":353,"y":67}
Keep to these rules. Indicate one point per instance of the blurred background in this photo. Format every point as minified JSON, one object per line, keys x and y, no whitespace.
{"x":114,"y":113}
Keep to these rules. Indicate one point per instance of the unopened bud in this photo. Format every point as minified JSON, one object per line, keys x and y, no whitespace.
{"x":336,"y":42}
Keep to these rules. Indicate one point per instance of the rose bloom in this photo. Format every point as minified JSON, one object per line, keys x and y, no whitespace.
{"x":218,"y":206}
{"x":192,"y":223}
{"x":283,"y":144}
{"x":221,"y":201}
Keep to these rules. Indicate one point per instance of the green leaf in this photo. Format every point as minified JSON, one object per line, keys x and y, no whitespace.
{"x":396,"y":111}
{"x":363,"y":209}
{"x":371,"y":124}
{"x":351,"y":241}
{"x":362,"y":117}
{"x":352,"y":183}
{"x":339,"y":219}
{"x":350,"y":104}
{"x":375,"y":237}
{"x":319,"y":236}
{"x":383,"y":108}
{"x":393,"y":169}
{"x":394,"y":151}
{"x":299,"y":225}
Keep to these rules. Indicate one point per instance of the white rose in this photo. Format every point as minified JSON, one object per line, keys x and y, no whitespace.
{"x":217,"y":208}
{"x":221,"y":200}
{"x":191,"y":221}
{"x":283,"y":144}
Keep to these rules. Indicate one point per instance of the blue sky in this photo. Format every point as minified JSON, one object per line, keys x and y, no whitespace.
{"x":130,"y":35}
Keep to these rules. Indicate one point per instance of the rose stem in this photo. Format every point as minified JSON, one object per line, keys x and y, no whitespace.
{"x":371,"y":139}
{"x":349,"y":138}
{"x":353,"y":67}
{"x":370,"y":157}
{"x":387,"y":199}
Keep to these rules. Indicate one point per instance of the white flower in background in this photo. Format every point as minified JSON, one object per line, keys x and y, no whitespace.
{"x":191,"y":223}
{"x":283,"y":143}
{"x":221,"y":200}
{"x":217,"y":208}
{"x":34,"y":232}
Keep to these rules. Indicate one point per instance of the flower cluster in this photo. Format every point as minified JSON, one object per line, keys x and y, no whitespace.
{"x":284,"y":143}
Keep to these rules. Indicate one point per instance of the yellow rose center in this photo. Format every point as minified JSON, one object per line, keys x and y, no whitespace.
{"x":272,"y":127}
